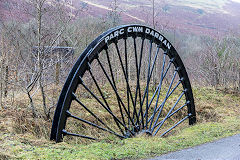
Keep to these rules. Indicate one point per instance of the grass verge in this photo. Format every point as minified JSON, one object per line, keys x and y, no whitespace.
{"x":134,"y":148}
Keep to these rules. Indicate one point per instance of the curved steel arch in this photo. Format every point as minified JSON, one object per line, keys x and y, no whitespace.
{"x":140,"y":119}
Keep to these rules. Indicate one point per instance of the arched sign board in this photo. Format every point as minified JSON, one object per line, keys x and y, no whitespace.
{"x":138,"y":51}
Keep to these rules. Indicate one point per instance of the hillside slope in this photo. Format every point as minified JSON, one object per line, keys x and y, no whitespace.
{"x":200,"y":16}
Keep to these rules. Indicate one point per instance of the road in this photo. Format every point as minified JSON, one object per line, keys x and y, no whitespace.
{"x":224,"y":149}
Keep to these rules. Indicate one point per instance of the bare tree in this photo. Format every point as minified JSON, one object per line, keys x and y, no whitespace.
{"x":49,"y":21}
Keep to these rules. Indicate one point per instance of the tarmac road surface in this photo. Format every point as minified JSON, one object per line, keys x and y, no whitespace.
{"x":223,"y":149}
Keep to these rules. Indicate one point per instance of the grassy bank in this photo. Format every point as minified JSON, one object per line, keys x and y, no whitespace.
{"x":218,"y":116}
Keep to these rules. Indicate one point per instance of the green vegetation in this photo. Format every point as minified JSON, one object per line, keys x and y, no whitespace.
{"x":218,"y":116}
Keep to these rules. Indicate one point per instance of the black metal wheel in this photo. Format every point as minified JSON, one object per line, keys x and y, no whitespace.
{"x":130,"y":80}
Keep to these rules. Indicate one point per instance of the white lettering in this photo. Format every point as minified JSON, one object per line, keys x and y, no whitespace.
{"x":111,"y":36}
{"x":156,"y":35}
{"x":129,"y":29}
{"x":152,"y":33}
{"x":160,"y":38}
{"x":165,"y":42}
{"x":116,"y":34}
{"x":121,"y":31}
{"x":137,"y":29}
{"x":169,"y":46}
{"x":147,"y":30}
{"x":106,"y":39}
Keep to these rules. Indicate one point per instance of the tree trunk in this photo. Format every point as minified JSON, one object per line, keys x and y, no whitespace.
{"x":6,"y":81}
{"x":57,"y":73}
{"x":34,"y":113}
{"x":43,"y":99}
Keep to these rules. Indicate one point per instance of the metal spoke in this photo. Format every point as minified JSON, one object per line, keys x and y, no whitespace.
{"x":76,"y":135}
{"x":92,"y":124}
{"x":110,"y":67}
{"x":175,"y":125}
{"x":159,"y":88}
{"x":105,"y":101}
{"x":160,"y":83}
{"x":154,"y":61}
{"x":118,"y":97}
{"x":165,"y":99}
{"x":126,"y":66}
{"x":96,"y":117}
{"x":140,"y":97}
{"x":138,"y":84}
{"x":169,"y":65}
{"x":170,"y":112}
{"x":173,"y":113}
{"x":81,"y":82}
{"x":120,"y":59}
{"x":148,"y":80}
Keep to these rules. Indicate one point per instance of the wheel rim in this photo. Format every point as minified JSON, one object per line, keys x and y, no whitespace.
{"x":129,"y":80}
